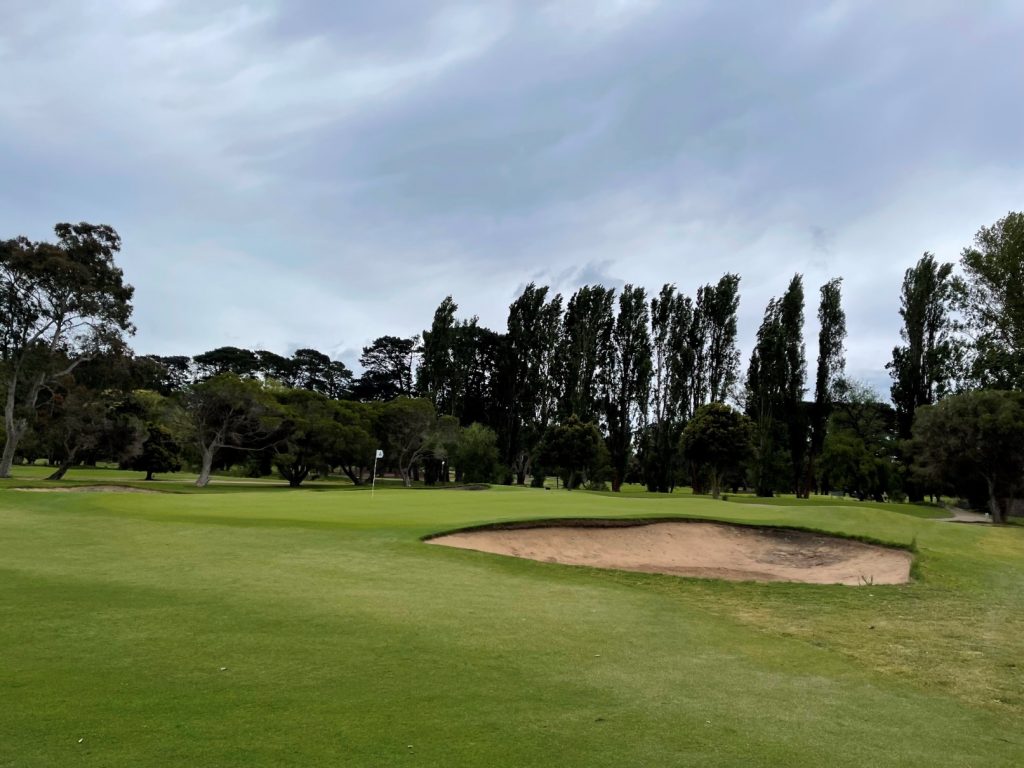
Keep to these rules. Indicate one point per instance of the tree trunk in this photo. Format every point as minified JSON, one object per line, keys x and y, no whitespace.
{"x":61,"y":470}
{"x":14,"y":431}
{"x":616,"y":481}
{"x":995,"y":508}
{"x":149,"y":474}
{"x":204,"y":473}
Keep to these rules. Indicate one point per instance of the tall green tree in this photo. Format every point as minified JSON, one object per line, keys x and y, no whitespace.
{"x":387,"y":369}
{"x":717,"y":442}
{"x":310,"y":437}
{"x":241,"y":362}
{"x":672,"y":361}
{"x":575,"y":451}
{"x":991,"y":295}
{"x":830,"y":370}
{"x":857,"y":455}
{"x":584,"y":351}
{"x":526,"y":384}
{"x":414,"y":433}
{"x":975,"y":436}
{"x":60,"y":304}
{"x":625,"y":383}
{"x":226,"y":411}
{"x":437,"y":373}
{"x":922,"y":368}
{"x":774,"y":393}
{"x":713,"y":341}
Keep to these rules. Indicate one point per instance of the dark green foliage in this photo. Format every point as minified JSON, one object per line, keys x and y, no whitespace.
{"x":525,"y":376}
{"x":991,"y":295}
{"x":413,"y":433}
{"x":974,"y":436}
{"x":775,"y":389}
{"x":584,"y":351}
{"x":717,"y":441}
{"x":831,"y":364}
{"x":625,"y":382}
{"x":311,"y":437}
{"x":226,"y":411}
{"x":60,"y":304}
{"x":713,"y":341}
{"x":672,"y":368}
{"x":922,"y":367}
{"x":857,"y":452}
{"x":316,"y":372}
{"x":476,"y":454}
{"x":159,"y":453}
{"x":241,"y":362}
{"x":575,"y":451}
{"x":387,"y":369}
{"x":170,"y":374}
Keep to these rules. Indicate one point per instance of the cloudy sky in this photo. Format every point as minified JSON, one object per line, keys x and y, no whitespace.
{"x":318,"y":173}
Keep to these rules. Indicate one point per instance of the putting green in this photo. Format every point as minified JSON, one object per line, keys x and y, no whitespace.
{"x":266,"y":627}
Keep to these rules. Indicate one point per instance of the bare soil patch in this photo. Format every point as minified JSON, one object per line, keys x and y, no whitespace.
{"x":88,"y":489}
{"x":697,"y":549}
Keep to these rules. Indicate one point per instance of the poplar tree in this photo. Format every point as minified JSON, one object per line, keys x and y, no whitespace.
{"x":922,"y":367}
{"x":672,"y":361}
{"x":584,"y":351}
{"x":774,"y":393}
{"x":626,"y":381}
{"x":831,"y":365}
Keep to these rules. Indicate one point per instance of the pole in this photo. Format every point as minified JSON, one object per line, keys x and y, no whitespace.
{"x":373,"y":480}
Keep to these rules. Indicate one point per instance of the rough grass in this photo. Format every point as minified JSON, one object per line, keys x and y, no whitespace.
{"x":267,"y":627}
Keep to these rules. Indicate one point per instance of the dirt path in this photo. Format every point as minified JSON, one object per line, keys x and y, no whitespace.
{"x":704,"y":550}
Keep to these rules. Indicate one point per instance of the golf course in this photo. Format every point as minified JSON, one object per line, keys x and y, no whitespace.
{"x":249,"y":624}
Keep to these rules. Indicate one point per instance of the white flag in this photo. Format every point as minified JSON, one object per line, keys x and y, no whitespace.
{"x":380,"y":454}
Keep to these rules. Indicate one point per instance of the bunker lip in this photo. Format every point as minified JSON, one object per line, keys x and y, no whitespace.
{"x":87,"y":489}
{"x":692,"y":547}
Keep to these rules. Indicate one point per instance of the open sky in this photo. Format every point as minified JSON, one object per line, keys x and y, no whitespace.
{"x":318,"y":173}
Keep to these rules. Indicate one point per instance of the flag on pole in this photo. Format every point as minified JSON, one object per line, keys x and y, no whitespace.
{"x":380,"y":454}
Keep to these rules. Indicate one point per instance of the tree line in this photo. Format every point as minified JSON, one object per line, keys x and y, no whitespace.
{"x":604,"y":387}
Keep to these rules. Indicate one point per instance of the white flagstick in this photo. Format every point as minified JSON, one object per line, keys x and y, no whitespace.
{"x":373,"y":481}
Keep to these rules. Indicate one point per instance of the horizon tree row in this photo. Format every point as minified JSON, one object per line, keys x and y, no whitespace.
{"x":631,"y":368}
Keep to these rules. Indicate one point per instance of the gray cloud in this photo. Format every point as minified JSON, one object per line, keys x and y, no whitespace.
{"x":321,"y":173}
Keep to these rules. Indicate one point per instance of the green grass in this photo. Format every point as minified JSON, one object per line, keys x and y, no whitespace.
{"x":270,"y":627}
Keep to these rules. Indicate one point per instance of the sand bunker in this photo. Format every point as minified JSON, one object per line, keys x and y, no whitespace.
{"x":88,"y":489}
{"x":699,"y":549}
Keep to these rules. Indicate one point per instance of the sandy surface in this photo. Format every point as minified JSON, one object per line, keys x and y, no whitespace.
{"x":705,"y":550}
{"x":87,"y":489}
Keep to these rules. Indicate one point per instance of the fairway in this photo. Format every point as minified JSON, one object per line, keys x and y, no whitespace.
{"x":260,"y":626}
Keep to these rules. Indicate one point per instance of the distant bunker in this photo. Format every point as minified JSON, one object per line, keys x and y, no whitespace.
{"x":696,"y":549}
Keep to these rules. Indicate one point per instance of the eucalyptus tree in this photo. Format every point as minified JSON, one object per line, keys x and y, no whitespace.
{"x":226,"y":411}
{"x":625,"y":382}
{"x":61,"y":304}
